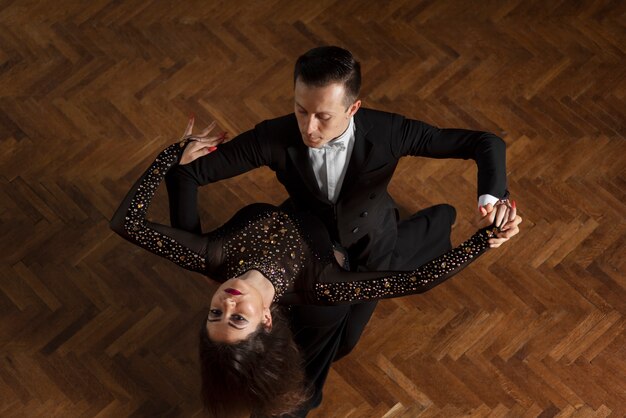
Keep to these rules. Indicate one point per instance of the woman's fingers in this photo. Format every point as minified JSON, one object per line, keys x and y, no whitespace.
{"x":208,"y":129}
{"x":514,"y":210}
{"x":195,"y":150}
{"x":514,"y":220}
{"x":502,"y":211}
{"x":512,"y":224}
{"x":496,"y":242}
{"x":510,"y":221}
{"x":507,"y":220}
{"x":212,"y":140}
{"x":502,"y":237}
{"x":510,"y":229}
{"x":189,"y":129}
{"x":199,"y":148}
{"x":200,"y":145}
{"x":205,"y":132}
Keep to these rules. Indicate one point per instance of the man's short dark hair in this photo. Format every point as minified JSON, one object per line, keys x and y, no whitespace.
{"x":325,"y":65}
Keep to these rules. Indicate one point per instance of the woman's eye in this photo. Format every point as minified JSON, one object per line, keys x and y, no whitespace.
{"x":214,"y":313}
{"x":239,"y":319}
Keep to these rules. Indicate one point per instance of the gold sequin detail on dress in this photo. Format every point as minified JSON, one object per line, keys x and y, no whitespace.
{"x":135,"y":222}
{"x":257,"y":243}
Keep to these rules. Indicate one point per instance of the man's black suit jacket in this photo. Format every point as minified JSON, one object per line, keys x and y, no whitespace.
{"x":364,"y":216}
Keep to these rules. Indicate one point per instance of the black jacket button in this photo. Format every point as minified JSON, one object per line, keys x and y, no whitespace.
{"x":355,"y":230}
{"x":364,"y":214}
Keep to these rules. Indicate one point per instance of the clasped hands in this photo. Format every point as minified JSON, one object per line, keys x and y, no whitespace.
{"x":504,"y":216}
{"x":200,"y":144}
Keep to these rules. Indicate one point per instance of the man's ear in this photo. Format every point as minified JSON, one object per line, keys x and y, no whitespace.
{"x":267,"y":320}
{"x":353,"y":108}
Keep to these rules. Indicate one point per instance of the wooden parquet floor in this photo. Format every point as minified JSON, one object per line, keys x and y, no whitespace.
{"x":91,"y":326}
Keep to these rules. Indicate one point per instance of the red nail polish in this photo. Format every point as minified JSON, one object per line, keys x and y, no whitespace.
{"x":192,"y":116}
{"x":513,"y":204}
{"x":211,"y":149}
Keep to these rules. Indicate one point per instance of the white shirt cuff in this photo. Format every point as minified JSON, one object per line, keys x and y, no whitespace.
{"x":485,"y":199}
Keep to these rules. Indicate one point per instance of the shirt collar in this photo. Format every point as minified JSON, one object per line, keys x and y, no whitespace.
{"x":345,"y":136}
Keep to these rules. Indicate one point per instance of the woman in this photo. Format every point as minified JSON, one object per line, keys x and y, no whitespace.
{"x":263,"y":257}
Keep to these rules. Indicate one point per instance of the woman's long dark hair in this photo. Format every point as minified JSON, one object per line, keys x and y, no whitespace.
{"x":263,"y":374}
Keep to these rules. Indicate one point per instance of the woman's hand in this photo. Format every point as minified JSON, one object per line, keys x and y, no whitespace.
{"x":201,"y":144}
{"x":505,"y":218}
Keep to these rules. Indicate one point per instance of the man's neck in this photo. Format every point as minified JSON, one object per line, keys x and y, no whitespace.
{"x":345,"y":131}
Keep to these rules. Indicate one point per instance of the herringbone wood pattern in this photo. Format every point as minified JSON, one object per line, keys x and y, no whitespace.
{"x":91,"y":91}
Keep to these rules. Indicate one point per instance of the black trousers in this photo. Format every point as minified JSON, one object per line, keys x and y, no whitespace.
{"x":328,"y":333}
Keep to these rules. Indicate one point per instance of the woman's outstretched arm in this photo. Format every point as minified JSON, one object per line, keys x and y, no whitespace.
{"x":186,"y":249}
{"x":338,"y":287}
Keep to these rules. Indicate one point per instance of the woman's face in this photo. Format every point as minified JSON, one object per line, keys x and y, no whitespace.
{"x":236,"y":311}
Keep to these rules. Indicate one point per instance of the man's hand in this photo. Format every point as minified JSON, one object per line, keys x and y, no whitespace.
{"x":201,"y":144}
{"x":505,"y":218}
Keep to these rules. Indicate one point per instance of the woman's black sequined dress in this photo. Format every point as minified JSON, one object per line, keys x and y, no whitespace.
{"x":293,"y":251}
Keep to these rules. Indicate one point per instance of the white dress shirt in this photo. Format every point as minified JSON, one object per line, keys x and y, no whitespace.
{"x":330,"y":164}
{"x":485,"y":199}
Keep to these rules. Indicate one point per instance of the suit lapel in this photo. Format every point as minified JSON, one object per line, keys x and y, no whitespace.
{"x":299,"y":155}
{"x":360,"y":154}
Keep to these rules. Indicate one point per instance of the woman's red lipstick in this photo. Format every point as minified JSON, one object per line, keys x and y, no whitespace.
{"x":232,"y":291}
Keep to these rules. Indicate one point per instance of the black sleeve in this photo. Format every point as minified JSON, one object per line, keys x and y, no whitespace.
{"x":413,"y":137}
{"x":338,"y":287}
{"x":243,"y":153}
{"x":186,"y":249}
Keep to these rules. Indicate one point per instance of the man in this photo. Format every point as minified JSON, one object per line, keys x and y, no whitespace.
{"x":336,"y":159}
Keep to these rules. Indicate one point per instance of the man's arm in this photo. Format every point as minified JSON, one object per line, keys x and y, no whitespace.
{"x":244,"y":153}
{"x":412,"y":137}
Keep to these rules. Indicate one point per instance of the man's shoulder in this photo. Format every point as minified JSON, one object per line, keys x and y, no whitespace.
{"x":375,"y":112}
{"x":288,"y":121}
{"x":375,"y":115}
{"x":373,"y":121}
{"x":278,"y":132}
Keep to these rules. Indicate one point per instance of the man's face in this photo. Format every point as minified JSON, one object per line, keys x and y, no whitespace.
{"x":321,"y":112}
